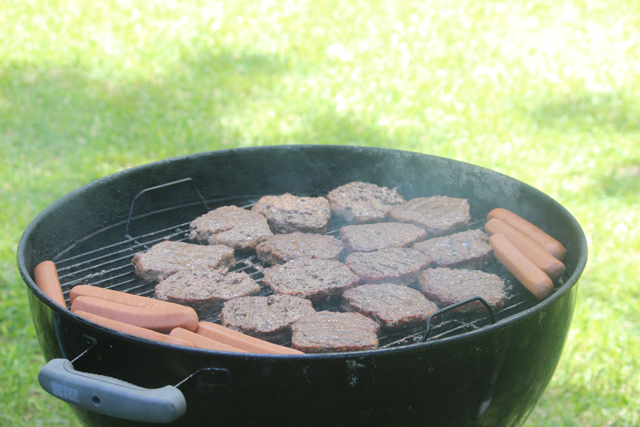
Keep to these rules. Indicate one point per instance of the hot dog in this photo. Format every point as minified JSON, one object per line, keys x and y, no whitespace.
{"x":527,"y":273}
{"x":189,"y":315}
{"x":239,"y":340}
{"x":158,"y":319}
{"x":200,"y":341}
{"x":536,"y":253}
{"x":550,"y":244}
{"x":132,"y":330}
{"x":46,"y":277}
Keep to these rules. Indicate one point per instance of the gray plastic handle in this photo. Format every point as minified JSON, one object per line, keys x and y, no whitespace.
{"x":110,"y":396}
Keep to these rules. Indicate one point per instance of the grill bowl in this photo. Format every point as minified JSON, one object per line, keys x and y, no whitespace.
{"x":492,"y":375}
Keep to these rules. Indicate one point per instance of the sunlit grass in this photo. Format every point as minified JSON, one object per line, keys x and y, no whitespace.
{"x":544,"y":91}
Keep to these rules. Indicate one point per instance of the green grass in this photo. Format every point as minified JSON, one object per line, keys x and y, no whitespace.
{"x":547,"y":92}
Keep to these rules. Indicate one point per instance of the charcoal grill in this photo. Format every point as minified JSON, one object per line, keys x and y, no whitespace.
{"x":463,"y":370}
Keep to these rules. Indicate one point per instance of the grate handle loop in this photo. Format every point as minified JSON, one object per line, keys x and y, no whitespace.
{"x":159,"y":187}
{"x":454,"y":306}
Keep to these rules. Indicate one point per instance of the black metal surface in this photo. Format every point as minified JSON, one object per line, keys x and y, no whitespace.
{"x":488,"y":376}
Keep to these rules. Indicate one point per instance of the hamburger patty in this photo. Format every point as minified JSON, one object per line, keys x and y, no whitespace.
{"x":288,"y":213}
{"x":265,"y":317}
{"x":439,"y":215}
{"x":398,"y":266}
{"x":169,"y":257}
{"x":467,"y":249}
{"x":205,"y":291}
{"x":232,"y":226}
{"x":371,"y":237}
{"x":392,"y":306}
{"x":446,"y":286}
{"x":286,"y":247}
{"x":329,"y":332}
{"x":361,"y":202}
{"x":316,"y":279}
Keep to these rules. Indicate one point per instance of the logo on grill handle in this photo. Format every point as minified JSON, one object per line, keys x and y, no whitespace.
{"x":63,"y":392}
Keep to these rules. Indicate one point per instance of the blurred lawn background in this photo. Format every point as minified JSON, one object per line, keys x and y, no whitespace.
{"x":547,"y":92}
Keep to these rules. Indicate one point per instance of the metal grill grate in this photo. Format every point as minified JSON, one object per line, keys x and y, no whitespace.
{"x":110,"y":267}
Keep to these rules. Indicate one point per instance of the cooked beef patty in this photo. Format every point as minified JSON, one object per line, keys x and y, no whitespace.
{"x":329,"y":332}
{"x":467,"y":249}
{"x":232,"y":226}
{"x":286,"y":247}
{"x":371,"y":237}
{"x":361,"y":202}
{"x":288,"y":213}
{"x":265,"y":317}
{"x":439,"y":215}
{"x":392,"y":306}
{"x":205,"y":291}
{"x":168,"y":257}
{"x":316,"y":279}
{"x":446,"y":286}
{"x":398,"y":266}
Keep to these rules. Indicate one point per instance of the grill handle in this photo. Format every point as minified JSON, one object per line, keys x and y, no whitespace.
{"x":110,"y":396}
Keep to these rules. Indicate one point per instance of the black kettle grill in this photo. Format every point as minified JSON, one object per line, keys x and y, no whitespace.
{"x":484,"y":371}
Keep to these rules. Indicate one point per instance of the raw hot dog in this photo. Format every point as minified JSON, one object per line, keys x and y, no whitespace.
{"x":527,"y":273}
{"x":199,"y":341}
{"x":190,"y":316}
{"x":46,"y":277}
{"x":536,"y":253}
{"x":158,"y":319}
{"x":237,"y":339}
{"x":132,"y":330}
{"x":550,"y":244}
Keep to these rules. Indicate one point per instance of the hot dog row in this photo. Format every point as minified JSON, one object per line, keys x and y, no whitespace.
{"x":531,"y":255}
{"x":150,"y":318}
